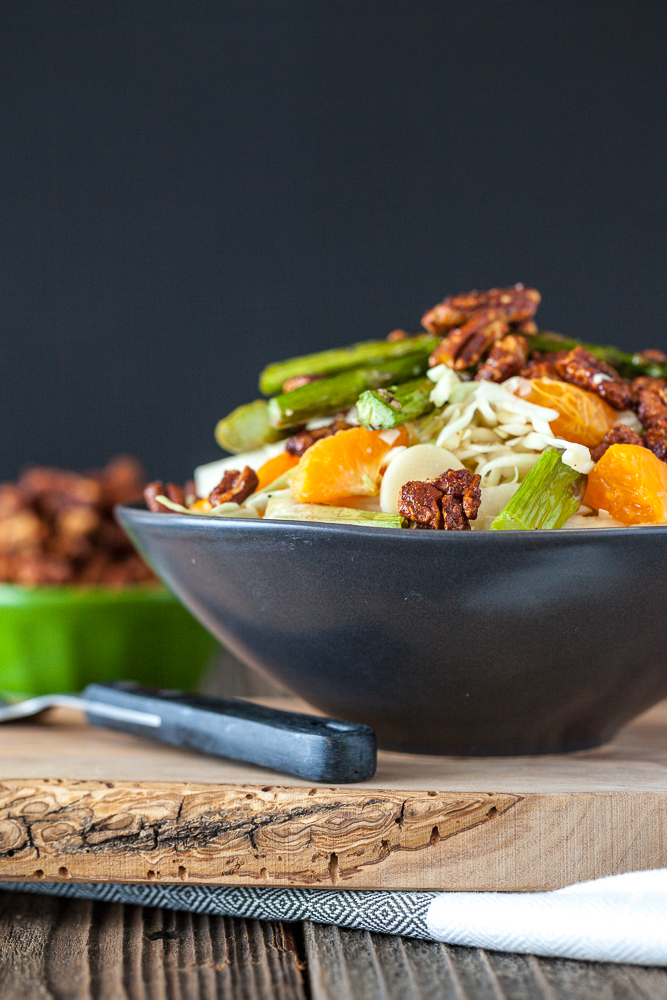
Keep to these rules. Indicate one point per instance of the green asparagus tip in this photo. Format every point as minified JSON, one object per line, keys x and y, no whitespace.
{"x":246,"y":428}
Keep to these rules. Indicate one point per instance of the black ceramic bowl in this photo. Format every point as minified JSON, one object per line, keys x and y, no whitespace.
{"x":448,"y":643}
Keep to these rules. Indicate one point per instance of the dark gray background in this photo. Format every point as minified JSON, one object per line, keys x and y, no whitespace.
{"x":193,"y":189}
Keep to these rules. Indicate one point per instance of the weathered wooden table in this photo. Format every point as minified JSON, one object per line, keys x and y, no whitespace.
{"x":60,"y":949}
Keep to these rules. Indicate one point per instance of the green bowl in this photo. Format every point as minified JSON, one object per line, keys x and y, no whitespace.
{"x":58,"y":639}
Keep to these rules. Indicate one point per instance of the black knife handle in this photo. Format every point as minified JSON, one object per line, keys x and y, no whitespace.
{"x":309,"y":746}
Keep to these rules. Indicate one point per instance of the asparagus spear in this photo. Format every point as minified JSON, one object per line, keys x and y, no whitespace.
{"x":247,"y":427}
{"x":549,"y":494}
{"x":370,"y":352}
{"x":328,"y":395}
{"x":281,"y":509}
{"x":628,"y":365}
{"x":383,"y":408}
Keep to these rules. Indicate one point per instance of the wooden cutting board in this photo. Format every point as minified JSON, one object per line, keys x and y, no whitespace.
{"x":84,"y":804}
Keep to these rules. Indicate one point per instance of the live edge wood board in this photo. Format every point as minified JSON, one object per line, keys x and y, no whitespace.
{"x":84,"y":804}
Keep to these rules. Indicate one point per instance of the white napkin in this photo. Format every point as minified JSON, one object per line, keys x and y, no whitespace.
{"x":622,"y":918}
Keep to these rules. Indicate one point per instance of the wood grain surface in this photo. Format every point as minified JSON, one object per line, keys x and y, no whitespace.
{"x":67,"y":949}
{"x":91,"y":805}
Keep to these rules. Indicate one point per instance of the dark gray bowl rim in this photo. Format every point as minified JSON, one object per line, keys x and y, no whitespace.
{"x":232,"y":524}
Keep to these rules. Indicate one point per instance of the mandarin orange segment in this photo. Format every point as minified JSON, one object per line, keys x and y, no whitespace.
{"x":275,"y":467}
{"x":629,"y":482}
{"x":347,"y":464}
{"x":584,"y":417}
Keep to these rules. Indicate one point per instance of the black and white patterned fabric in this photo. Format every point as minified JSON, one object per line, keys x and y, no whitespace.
{"x":384,"y":912}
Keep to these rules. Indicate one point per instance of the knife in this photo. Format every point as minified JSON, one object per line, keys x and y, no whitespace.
{"x":308,"y":746}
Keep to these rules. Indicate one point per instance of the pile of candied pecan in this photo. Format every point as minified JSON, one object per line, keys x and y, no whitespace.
{"x":447,"y":503}
{"x":57,"y":527}
{"x":479,"y":324}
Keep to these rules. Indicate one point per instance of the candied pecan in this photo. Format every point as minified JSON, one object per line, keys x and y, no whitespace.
{"x":23,"y":530}
{"x":516,"y":305}
{"x":619,"y":434}
{"x":506,"y":358}
{"x":648,"y":382}
{"x":543,"y":365}
{"x":234,"y":487}
{"x":651,"y":395}
{"x":583,"y":369}
{"x":128,"y":571}
{"x":298,"y":380}
{"x":655,"y":439}
{"x":463,"y":485}
{"x":421,"y":503}
{"x":175,"y":493}
{"x":397,"y":335}
{"x":453,"y":515}
{"x":464,"y":347}
{"x":172,"y":491}
{"x":75,"y":548}
{"x":190,"y":492}
{"x":110,"y":537}
{"x":12,"y":500}
{"x":78,"y":521}
{"x":7,"y":568}
{"x":35,"y":569}
{"x":52,"y":489}
{"x":527,"y":327}
{"x":92,"y":570}
{"x":654,"y":354}
{"x":303,"y":440}
{"x":121,"y":480}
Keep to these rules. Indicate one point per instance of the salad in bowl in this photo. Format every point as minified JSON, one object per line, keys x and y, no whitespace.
{"x":479,"y":422}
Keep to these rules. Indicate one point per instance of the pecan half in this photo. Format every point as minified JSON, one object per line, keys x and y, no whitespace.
{"x":506,"y":358}
{"x":172,"y":491}
{"x":447,"y":503}
{"x":421,"y":503}
{"x":234,"y":487}
{"x":464,"y":347}
{"x":583,"y":369}
{"x":654,"y":354}
{"x":655,"y":439}
{"x":651,"y":395}
{"x":543,"y":365}
{"x":303,"y":440}
{"x":619,"y":434}
{"x":464,"y":486}
{"x":528,"y":327}
{"x":516,"y":305}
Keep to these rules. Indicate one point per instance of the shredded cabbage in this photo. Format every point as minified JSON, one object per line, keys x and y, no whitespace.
{"x":496,"y":433}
